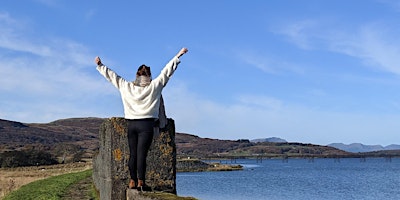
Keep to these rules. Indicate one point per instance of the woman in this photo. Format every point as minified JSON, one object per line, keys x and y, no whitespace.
{"x":141,"y":100}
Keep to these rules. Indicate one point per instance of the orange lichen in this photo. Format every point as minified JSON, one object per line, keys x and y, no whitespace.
{"x":117,"y":154}
{"x":119,"y":125}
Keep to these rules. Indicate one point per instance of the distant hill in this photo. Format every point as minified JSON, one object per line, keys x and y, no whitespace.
{"x":192,"y":145}
{"x":61,"y":137}
{"x":271,"y":139}
{"x":358,"y":147}
{"x":66,"y":137}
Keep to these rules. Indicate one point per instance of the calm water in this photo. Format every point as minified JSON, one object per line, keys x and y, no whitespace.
{"x":326,"y":179}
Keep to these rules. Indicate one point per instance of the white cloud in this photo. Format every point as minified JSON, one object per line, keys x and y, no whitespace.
{"x":375,"y":44}
{"x":50,"y":77}
{"x":268,"y":63}
{"x":300,"y":32}
{"x":263,"y":102}
{"x":12,"y":38}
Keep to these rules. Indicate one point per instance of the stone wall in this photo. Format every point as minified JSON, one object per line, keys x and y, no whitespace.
{"x":110,"y":165}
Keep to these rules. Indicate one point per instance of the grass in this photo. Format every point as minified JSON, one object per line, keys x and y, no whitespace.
{"x":13,"y":178}
{"x":48,"y":189}
{"x":65,"y":182}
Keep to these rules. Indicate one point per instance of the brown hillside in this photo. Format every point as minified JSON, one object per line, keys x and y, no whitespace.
{"x":191,"y":145}
{"x":81,"y":134}
{"x":59,"y":137}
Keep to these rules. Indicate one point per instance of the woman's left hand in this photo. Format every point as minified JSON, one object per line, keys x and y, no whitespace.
{"x":97,"y":60}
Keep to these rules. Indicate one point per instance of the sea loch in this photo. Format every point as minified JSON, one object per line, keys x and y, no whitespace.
{"x":274,"y":179}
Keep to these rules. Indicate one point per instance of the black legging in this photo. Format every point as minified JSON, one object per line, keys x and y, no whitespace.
{"x":140,"y":136}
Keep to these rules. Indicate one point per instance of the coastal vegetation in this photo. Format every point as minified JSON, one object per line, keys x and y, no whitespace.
{"x":26,"y":158}
{"x":12,"y":179}
{"x":52,"y":188}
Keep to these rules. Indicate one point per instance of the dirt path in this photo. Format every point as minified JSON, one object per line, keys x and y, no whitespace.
{"x":80,"y":191}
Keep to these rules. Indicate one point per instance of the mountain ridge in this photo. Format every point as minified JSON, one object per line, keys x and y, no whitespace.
{"x":362,"y":148}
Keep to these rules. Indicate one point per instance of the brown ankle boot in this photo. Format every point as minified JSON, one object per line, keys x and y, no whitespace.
{"x":132,"y":184}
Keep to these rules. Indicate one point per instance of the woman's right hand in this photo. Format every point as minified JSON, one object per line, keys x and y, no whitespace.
{"x":182,"y":51}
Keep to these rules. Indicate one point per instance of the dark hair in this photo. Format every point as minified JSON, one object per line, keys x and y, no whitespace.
{"x":143,"y":70}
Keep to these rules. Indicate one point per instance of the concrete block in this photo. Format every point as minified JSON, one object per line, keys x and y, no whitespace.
{"x":110,"y":164}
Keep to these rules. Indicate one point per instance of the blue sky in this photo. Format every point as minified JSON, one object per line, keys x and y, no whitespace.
{"x":303,"y":70}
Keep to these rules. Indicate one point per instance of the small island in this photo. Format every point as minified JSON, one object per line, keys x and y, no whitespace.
{"x":196,"y":165}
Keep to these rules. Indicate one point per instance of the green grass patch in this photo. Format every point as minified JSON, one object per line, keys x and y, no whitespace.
{"x":48,"y":189}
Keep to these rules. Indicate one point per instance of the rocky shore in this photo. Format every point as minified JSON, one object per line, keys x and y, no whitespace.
{"x":195,"y":165}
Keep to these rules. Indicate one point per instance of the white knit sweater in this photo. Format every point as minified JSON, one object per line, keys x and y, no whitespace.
{"x":141,"y":102}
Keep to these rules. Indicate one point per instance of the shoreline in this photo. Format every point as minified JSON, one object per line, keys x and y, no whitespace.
{"x":197,"y":165}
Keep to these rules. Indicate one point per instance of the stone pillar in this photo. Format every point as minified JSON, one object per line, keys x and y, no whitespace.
{"x":110,"y":165}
